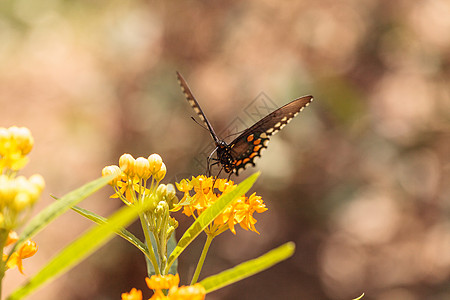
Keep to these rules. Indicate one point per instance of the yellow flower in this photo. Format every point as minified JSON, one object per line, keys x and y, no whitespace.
{"x":240,"y":212}
{"x":162,"y":282}
{"x":15,"y":144}
{"x":130,"y":185}
{"x":244,"y":212}
{"x":12,"y":238}
{"x":192,"y":292}
{"x":168,"y":282}
{"x":155,"y":162}
{"x":110,"y":170}
{"x":134,"y":294}
{"x":28,"y":249}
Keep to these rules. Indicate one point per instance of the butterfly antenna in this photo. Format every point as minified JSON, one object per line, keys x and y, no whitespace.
{"x":201,"y":125}
{"x":236,"y":133}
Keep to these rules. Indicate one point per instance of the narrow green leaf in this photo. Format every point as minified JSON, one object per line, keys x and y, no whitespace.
{"x":248,"y":268}
{"x":209,"y":215}
{"x":78,"y":250}
{"x":122,"y":232}
{"x":51,"y":212}
{"x":171,"y":244}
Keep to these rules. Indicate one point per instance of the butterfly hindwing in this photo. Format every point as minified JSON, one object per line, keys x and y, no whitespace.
{"x":246,"y":147}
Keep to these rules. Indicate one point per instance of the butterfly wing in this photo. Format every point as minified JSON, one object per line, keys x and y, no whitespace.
{"x":191,"y":99}
{"x":250,"y":143}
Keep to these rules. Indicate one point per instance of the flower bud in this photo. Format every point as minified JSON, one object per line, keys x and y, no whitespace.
{"x":7,"y":190}
{"x":110,"y":170}
{"x":23,"y":139}
{"x":127,"y":163}
{"x":38,"y":181}
{"x":142,"y":168}
{"x":171,"y":195}
{"x":21,"y":201}
{"x":155,"y":163}
{"x":161,"y":208}
{"x":161,"y":173}
{"x":161,"y":191}
{"x":12,"y":238}
{"x":5,"y":137}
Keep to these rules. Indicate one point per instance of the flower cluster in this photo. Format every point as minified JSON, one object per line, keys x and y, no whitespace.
{"x":159,"y":284}
{"x":133,"y":176}
{"x":17,"y":193}
{"x":138,"y":182}
{"x":240,"y":212}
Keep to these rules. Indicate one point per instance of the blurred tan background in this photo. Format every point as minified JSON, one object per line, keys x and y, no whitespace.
{"x":359,"y":181}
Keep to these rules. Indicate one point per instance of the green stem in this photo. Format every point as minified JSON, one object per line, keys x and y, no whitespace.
{"x":202,"y":259}
{"x":3,"y":237}
{"x":148,"y":241}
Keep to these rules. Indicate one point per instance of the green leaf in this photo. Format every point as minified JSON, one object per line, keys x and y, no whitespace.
{"x":122,"y":232}
{"x":248,"y":268}
{"x":360,"y":297}
{"x":57,"y":208}
{"x":209,"y":215}
{"x":79,"y":250}
{"x":171,"y":244}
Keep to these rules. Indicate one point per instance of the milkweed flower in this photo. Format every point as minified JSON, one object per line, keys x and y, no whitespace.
{"x":168,"y":284}
{"x":137,"y":182}
{"x":28,"y":249}
{"x":133,"y":176}
{"x":15,"y":144}
{"x":191,"y":292}
{"x":199,"y":195}
{"x":134,"y":294}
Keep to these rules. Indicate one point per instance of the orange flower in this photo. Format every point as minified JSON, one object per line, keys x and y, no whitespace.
{"x":192,"y":292}
{"x":12,"y":238}
{"x":168,"y":282}
{"x":134,"y":294}
{"x":162,"y":282}
{"x":240,"y":212}
{"x":28,"y":249}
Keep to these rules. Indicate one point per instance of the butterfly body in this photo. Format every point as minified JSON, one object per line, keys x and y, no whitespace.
{"x":243,"y":150}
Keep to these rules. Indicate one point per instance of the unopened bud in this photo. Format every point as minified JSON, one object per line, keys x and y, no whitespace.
{"x":161,"y":173}
{"x":127,"y":163}
{"x":142,"y":168}
{"x":155,"y":163}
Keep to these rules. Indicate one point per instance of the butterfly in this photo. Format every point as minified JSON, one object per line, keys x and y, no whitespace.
{"x":243,"y":150}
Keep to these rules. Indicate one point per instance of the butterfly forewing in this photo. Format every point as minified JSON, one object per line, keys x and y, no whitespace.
{"x":246,"y":147}
{"x":191,"y":99}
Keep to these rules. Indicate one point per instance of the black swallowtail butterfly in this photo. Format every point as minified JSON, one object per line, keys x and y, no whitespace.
{"x":242,"y":151}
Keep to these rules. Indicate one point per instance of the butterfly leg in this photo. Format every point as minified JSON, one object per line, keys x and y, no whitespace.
{"x":210,"y":166}
{"x":208,"y":163}
{"x":217,"y":176}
